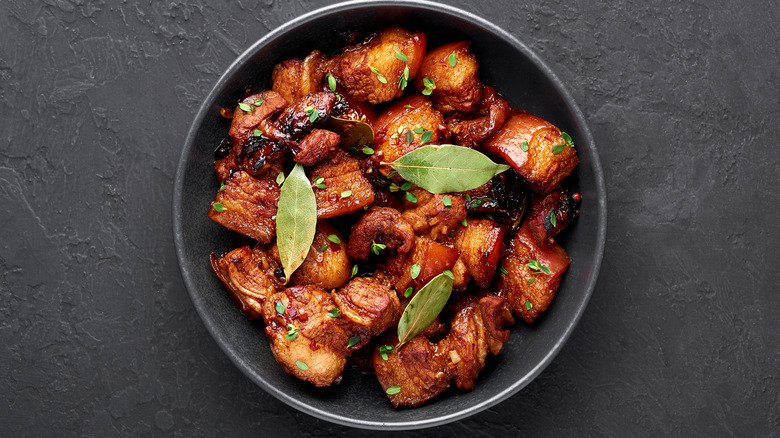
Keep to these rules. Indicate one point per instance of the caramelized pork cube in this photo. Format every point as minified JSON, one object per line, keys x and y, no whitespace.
{"x":480,"y":243}
{"x":318,"y":145}
{"x":552,"y":213}
{"x":471,"y":129}
{"x":326,"y":265}
{"x":307,"y":114}
{"x":306,"y":341}
{"x":454,"y":72}
{"x":539,"y":165}
{"x":402,"y":128}
{"x":371,"y":306}
{"x":339,"y":186}
{"x":370,"y":71}
{"x":478,"y":328}
{"x":248,"y":275}
{"x":430,"y":258}
{"x":417,"y":372}
{"x":380,"y":225}
{"x":527,"y":285}
{"x":252,"y":150}
{"x":434,"y":216}
{"x":295,"y":78}
{"x":247,"y":205}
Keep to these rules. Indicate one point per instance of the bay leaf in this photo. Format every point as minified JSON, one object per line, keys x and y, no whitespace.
{"x":296,"y":220}
{"x":353,"y":132}
{"x":424,"y":307}
{"x":447,"y":168}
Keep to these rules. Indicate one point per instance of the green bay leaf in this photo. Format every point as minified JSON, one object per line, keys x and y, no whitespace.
{"x":296,"y":220}
{"x":447,"y":168}
{"x":424,"y":307}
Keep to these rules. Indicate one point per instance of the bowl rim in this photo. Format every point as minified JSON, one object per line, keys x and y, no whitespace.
{"x":245,"y":367}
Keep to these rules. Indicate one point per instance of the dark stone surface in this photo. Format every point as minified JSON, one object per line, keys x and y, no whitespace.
{"x":681,"y":337}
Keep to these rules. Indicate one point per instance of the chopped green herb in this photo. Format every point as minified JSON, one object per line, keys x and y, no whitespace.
{"x":537,"y":268}
{"x":279,"y":307}
{"x":524,"y":146}
{"x":331,"y":83}
{"x":453,"y":59}
{"x":446,"y":201}
{"x":558,"y":148}
{"x":368,"y":151}
{"x":354,"y":270}
{"x":346,"y":194}
{"x":429,"y":86}
{"x":352,"y":149}
{"x":319,"y":182}
{"x":414,"y":271}
{"x":218,"y":207}
{"x":503,"y":270}
{"x":528,"y":305}
{"x":335,"y":239}
{"x":312,"y":113}
{"x":530,"y":281}
{"x":301,"y":365}
{"x":292,"y":332}
{"x":408,"y":106}
{"x":222,"y":186}
{"x":406,"y":186}
{"x":391,"y":174}
{"x":393,"y":390}
{"x":381,"y":78}
{"x":408,"y":292}
{"x":409,"y":136}
{"x":353,"y":341}
{"x":464,"y":223}
{"x":334,"y":312}
{"x":377,"y":248}
{"x":449,"y":273}
{"x":257,"y":133}
{"x":394,"y":187}
{"x":383,"y":350}
{"x":403,"y":81}
{"x":468,"y":197}
{"x":401,"y":56}
{"x":323,"y":248}
{"x":410,"y":197}
{"x":476,"y":203}
{"x":280,"y":178}
{"x":395,"y":135}
{"x":374,"y":69}
{"x":426,"y":137}
{"x":419,"y":130}
{"x":451,"y":233}
{"x":553,"y":219}
{"x":258,"y":102}
{"x":245,"y":107}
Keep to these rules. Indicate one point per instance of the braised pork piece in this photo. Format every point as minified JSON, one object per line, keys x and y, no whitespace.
{"x":377,"y":240}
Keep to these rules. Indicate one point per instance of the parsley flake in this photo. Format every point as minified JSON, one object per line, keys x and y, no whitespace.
{"x":553,"y":219}
{"x":218,"y":207}
{"x":319,"y":182}
{"x":446,"y":201}
{"x":257,"y":133}
{"x":524,"y":146}
{"x":346,"y":194}
{"x":334,"y":312}
{"x":401,"y":56}
{"x":414,"y":271}
{"x":354,"y":270}
{"x":377,"y":248}
{"x":528,"y":305}
{"x":245,"y":107}
{"x":353,"y":341}
{"x":408,"y":292}
{"x":280,"y":178}
{"x":323,"y":248}
{"x":453,"y":59}
{"x":368,"y":151}
{"x":503,"y":270}
{"x":393,"y":390}
{"x":301,"y":365}
{"x":335,"y":239}
{"x":383,"y":350}
{"x":537,"y":268}
{"x":426,"y":137}
{"x":331,"y":82}
{"x":292,"y":332}
{"x":410,"y":197}
{"x":279,"y":307}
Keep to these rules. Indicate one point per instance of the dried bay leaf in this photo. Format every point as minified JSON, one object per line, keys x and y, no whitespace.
{"x":296,"y":220}
{"x":353,"y":132}
{"x":447,"y":168}
{"x":424,"y":307}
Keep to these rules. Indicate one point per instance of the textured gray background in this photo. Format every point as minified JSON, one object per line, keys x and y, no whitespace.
{"x":98,"y":336}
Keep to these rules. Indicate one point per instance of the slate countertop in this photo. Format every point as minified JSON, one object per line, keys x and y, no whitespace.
{"x":98,"y":336}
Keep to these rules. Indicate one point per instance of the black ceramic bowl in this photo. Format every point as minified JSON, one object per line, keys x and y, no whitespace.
{"x":506,"y":64}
